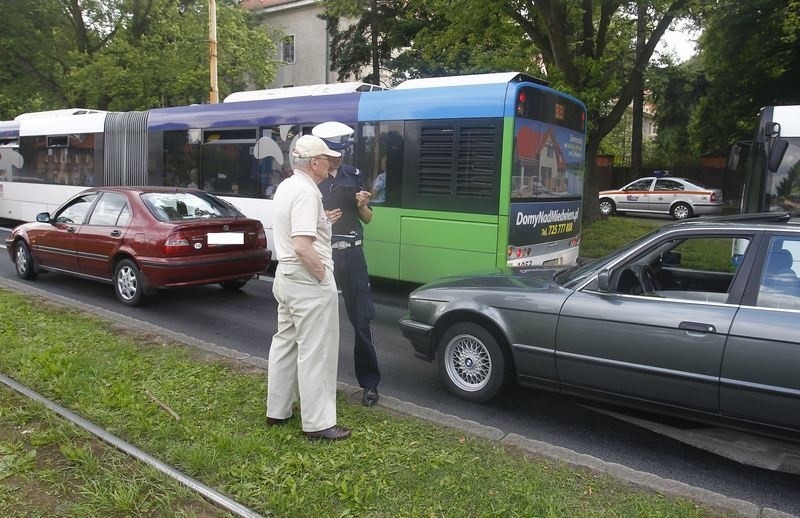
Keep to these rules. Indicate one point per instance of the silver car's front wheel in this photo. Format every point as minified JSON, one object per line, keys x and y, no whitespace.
{"x":471,"y":362}
{"x":468,"y":363}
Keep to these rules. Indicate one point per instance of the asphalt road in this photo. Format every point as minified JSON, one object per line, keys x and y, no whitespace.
{"x":246,"y":320}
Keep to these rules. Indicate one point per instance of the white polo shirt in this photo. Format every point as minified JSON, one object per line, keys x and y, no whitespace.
{"x":297,"y":211}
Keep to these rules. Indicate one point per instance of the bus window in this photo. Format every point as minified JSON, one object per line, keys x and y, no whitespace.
{"x":273,"y":158}
{"x":380,"y":160}
{"x":228,"y":162}
{"x":181,"y":158}
{"x":65,"y":160}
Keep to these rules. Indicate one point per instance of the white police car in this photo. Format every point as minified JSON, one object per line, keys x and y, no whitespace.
{"x":677,"y":197}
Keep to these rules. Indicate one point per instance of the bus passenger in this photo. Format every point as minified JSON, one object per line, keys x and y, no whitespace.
{"x":346,"y":199}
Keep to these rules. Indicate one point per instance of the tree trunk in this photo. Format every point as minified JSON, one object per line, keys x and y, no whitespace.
{"x":591,"y":183}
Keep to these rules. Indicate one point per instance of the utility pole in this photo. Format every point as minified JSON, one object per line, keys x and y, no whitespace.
{"x":213,"y":94}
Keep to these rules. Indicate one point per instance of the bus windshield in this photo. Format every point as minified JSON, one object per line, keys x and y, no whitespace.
{"x":774,"y":186}
{"x":783,"y":186}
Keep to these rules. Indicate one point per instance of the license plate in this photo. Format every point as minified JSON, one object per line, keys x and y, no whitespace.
{"x":552,"y":262}
{"x":225,"y":238}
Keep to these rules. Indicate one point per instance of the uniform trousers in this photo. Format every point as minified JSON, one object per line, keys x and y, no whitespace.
{"x":352,"y":278}
{"x":304,"y":354}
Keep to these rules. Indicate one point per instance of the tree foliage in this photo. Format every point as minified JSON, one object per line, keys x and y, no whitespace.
{"x":751,"y":56}
{"x":368,"y":33}
{"x":676,"y":91}
{"x":124,"y":54}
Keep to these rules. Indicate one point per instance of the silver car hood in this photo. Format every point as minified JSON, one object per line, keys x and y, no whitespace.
{"x":528,"y":278}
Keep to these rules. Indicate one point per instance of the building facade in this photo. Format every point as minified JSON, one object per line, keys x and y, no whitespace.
{"x":303,"y":43}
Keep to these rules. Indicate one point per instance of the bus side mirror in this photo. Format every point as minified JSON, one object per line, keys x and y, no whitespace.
{"x":772,"y":129}
{"x":776,"y":152}
{"x":602,"y":280}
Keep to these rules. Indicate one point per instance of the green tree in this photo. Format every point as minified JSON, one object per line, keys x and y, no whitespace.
{"x":124,"y":54}
{"x":465,"y":38}
{"x":676,"y":90}
{"x":368,"y":33}
{"x":751,"y":55}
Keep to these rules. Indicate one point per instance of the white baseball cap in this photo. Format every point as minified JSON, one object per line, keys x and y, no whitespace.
{"x":309,"y":146}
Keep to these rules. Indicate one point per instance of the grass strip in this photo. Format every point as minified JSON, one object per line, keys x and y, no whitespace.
{"x":49,"y":467}
{"x":608,"y":234}
{"x":392,"y":465}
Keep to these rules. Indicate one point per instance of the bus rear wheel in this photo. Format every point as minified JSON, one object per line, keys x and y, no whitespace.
{"x":607,"y":207}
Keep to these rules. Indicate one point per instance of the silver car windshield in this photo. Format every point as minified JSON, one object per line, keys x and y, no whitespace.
{"x":575,"y":275}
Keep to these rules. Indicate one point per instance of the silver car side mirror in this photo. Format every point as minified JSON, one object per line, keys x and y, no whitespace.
{"x":602,"y":280}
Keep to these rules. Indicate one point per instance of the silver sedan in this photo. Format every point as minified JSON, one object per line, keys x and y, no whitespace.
{"x":698,"y":318}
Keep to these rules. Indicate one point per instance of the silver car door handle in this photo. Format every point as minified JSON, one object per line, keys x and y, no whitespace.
{"x":115,"y":233}
{"x":697,"y":327}
{"x":70,"y":229}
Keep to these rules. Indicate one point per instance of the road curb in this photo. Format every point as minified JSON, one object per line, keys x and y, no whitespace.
{"x":639,"y":478}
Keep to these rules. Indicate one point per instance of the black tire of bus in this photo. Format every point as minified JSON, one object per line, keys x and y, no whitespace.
{"x":472,"y":364}
{"x":23,"y":261}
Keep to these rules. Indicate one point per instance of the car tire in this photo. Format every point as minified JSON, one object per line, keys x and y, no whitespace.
{"x":233,"y":285}
{"x":129,"y":284}
{"x":607,"y":207}
{"x":681,"y":211}
{"x":23,"y":260}
{"x":472,"y":363}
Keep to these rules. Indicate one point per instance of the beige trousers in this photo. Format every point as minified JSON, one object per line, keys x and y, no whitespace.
{"x":304,"y":354}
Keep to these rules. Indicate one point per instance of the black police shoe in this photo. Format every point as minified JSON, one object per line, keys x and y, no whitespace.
{"x":370,"y":396}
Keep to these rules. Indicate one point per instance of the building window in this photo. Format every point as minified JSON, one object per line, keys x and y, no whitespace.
{"x":287,"y":50}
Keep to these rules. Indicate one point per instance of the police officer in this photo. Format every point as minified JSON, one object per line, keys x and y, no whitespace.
{"x":346,"y":200}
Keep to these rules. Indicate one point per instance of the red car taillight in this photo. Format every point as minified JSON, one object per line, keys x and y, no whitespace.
{"x":261,"y":240}
{"x":713,"y":196}
{"x":176,"y":244}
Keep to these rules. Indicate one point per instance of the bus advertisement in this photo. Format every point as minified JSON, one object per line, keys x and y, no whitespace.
{"x":467,"y":173}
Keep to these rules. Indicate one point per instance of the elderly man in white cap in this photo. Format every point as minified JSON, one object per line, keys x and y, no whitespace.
{"x":303,"y":356}
{"x":346,"y":199}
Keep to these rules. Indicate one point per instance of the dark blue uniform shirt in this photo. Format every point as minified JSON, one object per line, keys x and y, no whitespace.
{"x":339,"y":192}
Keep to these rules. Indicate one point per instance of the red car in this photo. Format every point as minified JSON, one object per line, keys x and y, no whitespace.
{"x":141,"y":239}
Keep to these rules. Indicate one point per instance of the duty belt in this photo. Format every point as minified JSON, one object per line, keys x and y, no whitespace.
{"x":339,"y":245}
